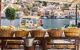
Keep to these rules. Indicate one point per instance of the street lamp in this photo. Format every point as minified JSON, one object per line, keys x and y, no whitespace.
{"x":0,"y":12}
{"x":76,"y":15}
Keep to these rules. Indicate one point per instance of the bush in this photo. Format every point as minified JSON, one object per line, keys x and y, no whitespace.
{"x":10,"y":13}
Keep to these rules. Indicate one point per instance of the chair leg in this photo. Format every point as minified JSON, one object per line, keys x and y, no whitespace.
{"x":44,"y":43}
{"x":29,"y":48}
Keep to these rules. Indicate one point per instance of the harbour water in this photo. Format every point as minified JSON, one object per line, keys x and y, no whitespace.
{"x":47,"y":23}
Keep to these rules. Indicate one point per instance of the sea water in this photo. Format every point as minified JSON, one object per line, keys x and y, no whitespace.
{"x":47,"y":23}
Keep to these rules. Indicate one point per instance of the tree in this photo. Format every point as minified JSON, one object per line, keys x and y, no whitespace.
{"x":10,"y":14}
{"x":78,"y":6}
{"x":66,"y":6}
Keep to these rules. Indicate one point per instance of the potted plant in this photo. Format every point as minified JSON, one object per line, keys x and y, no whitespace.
{"x":10,"y":14}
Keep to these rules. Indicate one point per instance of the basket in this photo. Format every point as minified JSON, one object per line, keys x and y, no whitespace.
{"x":6,"y":33}
{"x":21,"y":33}
{"x":13,"y":46}
{"x":55,"y":33}
{"x":37,"y":33}
{"x":72,"y":32}
{"x":0,"y":32}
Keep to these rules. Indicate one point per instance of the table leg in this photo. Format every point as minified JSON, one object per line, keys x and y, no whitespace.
{"x":2,"y":44}
{"x":44,"y":43}
{"x":29,"y":48}
{"x":77,"y":44}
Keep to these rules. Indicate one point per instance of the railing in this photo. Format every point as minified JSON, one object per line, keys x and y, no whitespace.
{"x":3,"y":42}
{"x":42,"y":39}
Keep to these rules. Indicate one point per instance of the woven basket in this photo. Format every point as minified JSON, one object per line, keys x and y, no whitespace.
{"x":0,"y":32}
{"x":37,"y":33}
{"x":21,"y":33}
{"x":13,"y":46}
{"x":72,"y":32}
{"x":55,"y":33}
{"x":6,"y":33}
